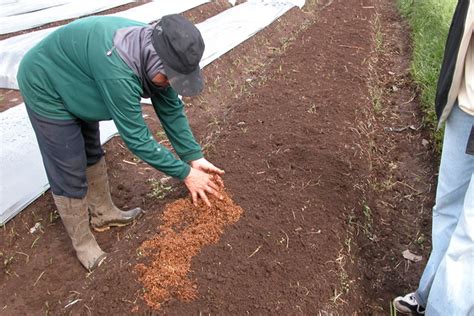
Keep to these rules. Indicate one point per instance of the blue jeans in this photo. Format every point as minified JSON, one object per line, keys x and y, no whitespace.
{"x":447,"y":284}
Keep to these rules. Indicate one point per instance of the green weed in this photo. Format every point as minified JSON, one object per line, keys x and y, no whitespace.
{"x":378,"y":38}
{"x":376,"y":94}
{"x":368,"y":221}
{"x":159,"y":190}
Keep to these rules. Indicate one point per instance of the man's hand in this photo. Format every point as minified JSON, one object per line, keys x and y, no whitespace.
{"x":204,"y":165}
{"x":199,"y":183}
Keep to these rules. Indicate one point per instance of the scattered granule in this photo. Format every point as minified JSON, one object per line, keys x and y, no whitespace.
{"x":186,"y":229}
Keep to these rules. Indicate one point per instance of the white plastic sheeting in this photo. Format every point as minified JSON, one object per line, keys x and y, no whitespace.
{"x":153,"y":11}
{"x":228,"y":29}
{"x":10,"y":24}
{"x":22,"y":172}
{"x":19,"y":153}
{"x":13,"y":49}
{"x":13,"y":7}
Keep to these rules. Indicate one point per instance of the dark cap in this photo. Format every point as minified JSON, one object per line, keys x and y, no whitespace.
{"x":180,"y":46}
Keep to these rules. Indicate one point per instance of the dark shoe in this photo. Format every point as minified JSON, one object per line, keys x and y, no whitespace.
{"x":408,"y":305}
{"x":104,"y":213}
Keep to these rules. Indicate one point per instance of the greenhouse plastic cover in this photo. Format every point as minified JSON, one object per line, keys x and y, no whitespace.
{"x":14,"y":7}
{"x":21,"y":160}
{"x":19,"y":153}
{"x":75,"y":9}
{"x":242,"y":22}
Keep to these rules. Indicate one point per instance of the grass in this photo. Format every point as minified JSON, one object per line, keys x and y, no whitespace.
{"x":368,"y":221}
{"x":378,"y":37}
{"x":429,"y":21}
{"x":374,"y":86}
{"x":376,"y":94}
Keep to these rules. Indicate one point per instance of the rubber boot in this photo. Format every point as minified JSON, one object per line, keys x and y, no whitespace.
{"x":75,"y":218}
{"x":104,"y":214}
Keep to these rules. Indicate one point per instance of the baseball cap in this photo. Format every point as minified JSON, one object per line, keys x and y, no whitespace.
{"x":180,"y":46}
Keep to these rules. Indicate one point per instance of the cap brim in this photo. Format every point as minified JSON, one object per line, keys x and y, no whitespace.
{"x":186,"y":85}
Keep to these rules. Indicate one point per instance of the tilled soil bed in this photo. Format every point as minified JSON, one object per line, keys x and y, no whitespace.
{"x":326,"y":187}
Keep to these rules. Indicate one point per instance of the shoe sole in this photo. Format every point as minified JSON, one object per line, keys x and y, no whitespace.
{"x":105,"y":228}
{"x":403,"y":309}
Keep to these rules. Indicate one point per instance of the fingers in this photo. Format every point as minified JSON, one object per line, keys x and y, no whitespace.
{"x":195,"y":198}
{"x":219,"y":180}
{"x":214,"y":169}
{"x":211,"y":189}
{"x":200,"y":183}
{"x":212,"y":185}
{"x":215,"y":193}
{"x":208,"y":167}
{"x":203,"y":196}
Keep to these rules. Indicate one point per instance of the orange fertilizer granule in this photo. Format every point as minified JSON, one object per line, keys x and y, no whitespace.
{"x":186,"y":229}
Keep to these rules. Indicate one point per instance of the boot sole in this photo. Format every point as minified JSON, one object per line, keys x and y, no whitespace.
{"x":105,"y":228}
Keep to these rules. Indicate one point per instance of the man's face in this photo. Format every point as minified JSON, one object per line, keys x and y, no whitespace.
{"x":161,"y":80}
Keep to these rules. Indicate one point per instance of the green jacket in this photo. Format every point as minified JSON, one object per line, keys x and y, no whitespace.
{"x":70,"y":75}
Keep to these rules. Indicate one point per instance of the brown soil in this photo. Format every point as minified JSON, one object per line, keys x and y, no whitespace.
{"x":311,"y":120}
{"x":186,"y":229}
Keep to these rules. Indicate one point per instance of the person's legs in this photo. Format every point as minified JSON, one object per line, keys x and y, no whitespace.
{"x":453,"y":181}
{"x":93,"y":148}
{"x":62,"y":148}
{"x":104,"y":213}
{"x":452,"y":291}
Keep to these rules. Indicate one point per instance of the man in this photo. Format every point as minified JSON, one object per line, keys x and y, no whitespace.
{"x":98,"y":68}
{"x":447,"y":284}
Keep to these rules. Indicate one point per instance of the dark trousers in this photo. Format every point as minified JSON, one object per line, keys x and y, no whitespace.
{"x":68,"y":147}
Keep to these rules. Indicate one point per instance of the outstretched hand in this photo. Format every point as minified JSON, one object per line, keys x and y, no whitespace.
{"x":202,"y":179}
{"x":204,"y":165}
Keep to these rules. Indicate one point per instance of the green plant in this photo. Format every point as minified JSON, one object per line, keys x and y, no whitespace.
{"x":368,"y":221}
{"x":376,"y":94}
{"x":159,"y":190}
